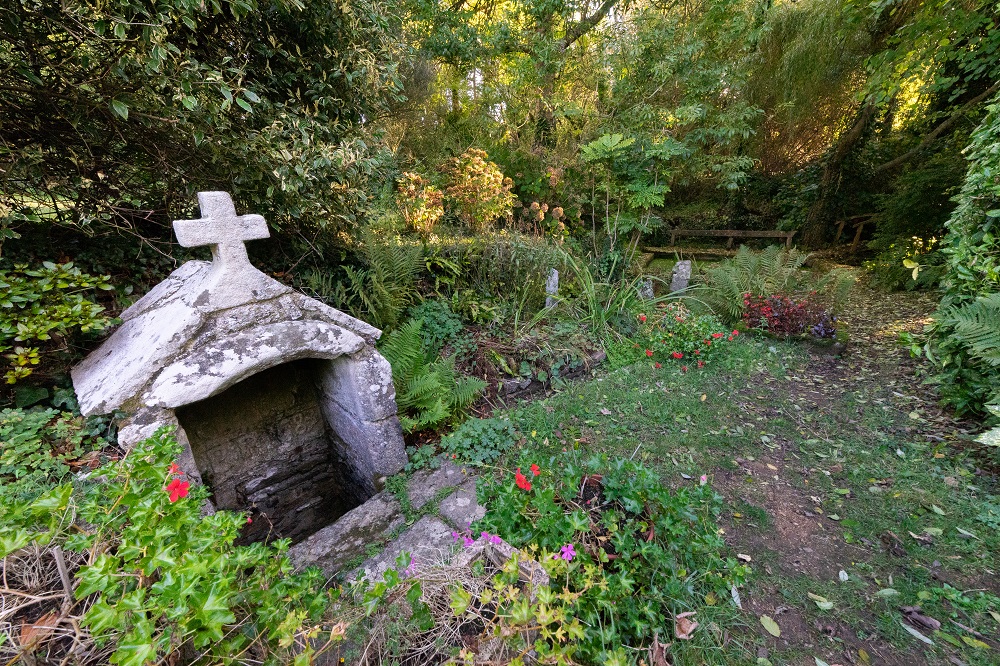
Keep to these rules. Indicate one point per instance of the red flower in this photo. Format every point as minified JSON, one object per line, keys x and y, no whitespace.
{"x":730,"y":338}
{"x":684,"y":368}
{"x":697,"y":352}
{"x":649,"y":352}
{"x":657,"y":366}
{"x":174,"y":469}
{"x":717,"y":335}
{"x":521,"y":481}
{"x":642,"y":318}
{"x":677,"y":355}
{"x":536,"y":470}
{"x":735,"y":333}
{"x":249,"y":520}
{"x":177,"y":489}
{"x":701,"y":364}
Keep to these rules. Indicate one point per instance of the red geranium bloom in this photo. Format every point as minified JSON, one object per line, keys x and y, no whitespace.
{"x":657,"y":366}
{"x":649,"y":352}
{"x":717,"y":335}
{"x":521,"y":481}
{"x":697,"y":352}
{"x":177,"y":489}
{"x":684,"y":368}
{"x":677,"y":355}
{"x":642,"y":318}
{"x":735,"y":333}
{"x":536,"y":470}
{"x":701,"y":364}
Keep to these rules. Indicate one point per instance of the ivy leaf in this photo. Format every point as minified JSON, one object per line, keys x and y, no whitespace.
{"x":460,"y":600}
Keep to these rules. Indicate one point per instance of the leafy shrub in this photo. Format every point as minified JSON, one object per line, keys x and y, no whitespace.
{"x":478,"y":192}
{"x":674,"y":336}
{"x":908,"y":264}
{"x":783,"y":316}
{"x":480,"y":441}
{"x":428,"y":392}
{"x":774,"y":270}
{"x":38,"y":447}
{"x":162,"y":580}
{"x":634,"y":551}
{"x":420,"y":203}
{"x":41,"y":305}
{"x":965,"y":347}
{"x":440,"y":325}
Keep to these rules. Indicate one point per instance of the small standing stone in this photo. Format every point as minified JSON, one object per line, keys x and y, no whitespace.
{"x":681,"y":276}
{"x":646,"y":290}
{"x":551,"y":288}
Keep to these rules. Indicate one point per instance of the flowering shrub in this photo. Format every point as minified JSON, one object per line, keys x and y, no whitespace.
{"x":673,"y":336}
{"x":160,"y":579}
{"x":420,"y":203}
{"x":635,"y":552}
{"x":784,"y":316}
{"x":478,"y":192}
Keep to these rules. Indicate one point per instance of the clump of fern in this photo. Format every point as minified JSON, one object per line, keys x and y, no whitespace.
{"x":965,"y":347}
{"x":381,"y":287}
{"x":429,"y":391}
{"x":774,"y":270}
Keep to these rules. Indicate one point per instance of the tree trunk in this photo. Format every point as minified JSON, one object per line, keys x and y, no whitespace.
{"x":817,"y":225}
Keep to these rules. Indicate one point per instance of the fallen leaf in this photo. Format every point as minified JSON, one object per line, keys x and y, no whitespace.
{"x":683,"y":626}
{"x":33,"y":634}
{"x":916,"y":617}
{"x":704,"y":397}
{"x":863,"y":656}
{"x":975,"y":642}
{"x":658,"y":653}
{"x":770,"y":625}
{"x":996,"y":616}
{"x":605,"y":411}
{"x":934,"y":531}
{"x":938,"y":510}
{"x":966,"y":533}
{"x":822,"y":602}
{"x":744,"y":557}
{"x":916,"y":634}
{"x":739,"y":604}
{"x":772,"y":467}
{"x":843,"y":576}
{"x":886,"y":592}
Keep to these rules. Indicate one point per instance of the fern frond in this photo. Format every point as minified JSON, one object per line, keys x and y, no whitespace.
{"x":977,"y":324}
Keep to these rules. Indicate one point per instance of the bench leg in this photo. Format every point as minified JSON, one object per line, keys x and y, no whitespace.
{"x":729,"y":243}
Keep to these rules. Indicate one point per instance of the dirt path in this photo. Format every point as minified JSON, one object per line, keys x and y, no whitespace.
{"x":800,"y":509}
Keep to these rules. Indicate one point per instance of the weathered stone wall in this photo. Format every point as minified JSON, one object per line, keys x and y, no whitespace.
{"x":264,"y":446}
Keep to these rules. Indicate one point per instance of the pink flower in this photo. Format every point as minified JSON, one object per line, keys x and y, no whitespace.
{"x":567,"y":552}
{"x":178,"y":489}
{"x":703,"y":480}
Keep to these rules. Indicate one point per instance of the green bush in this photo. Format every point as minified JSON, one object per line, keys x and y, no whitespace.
{"x":674,"y":337}
{"x":40,"y":306}
{"x":38,"y":447}
{"x":635,"y":552}
{"x":162,"y":581}
{"x":440,"y":325}
{"x":428,"y":392}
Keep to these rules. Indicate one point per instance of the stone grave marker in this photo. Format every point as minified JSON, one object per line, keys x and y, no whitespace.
{"x":552,"y":288}
{"x":681,"y":276}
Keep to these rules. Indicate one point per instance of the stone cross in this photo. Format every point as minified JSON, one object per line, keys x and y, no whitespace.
{"x":681,"y":276}
{"x":222,"y":229}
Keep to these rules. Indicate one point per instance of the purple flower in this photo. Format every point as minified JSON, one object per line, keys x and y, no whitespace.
{"x":468,"y":541}
{"x":567,"y":552}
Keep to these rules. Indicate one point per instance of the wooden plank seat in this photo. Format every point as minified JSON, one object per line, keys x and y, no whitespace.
{"x":730,"y":234}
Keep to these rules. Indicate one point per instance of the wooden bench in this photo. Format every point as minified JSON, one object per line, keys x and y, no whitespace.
{"x":730,"y":234}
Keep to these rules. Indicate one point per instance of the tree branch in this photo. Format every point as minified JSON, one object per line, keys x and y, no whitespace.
{"x":585,"y":25}
{"x":937,"y":131}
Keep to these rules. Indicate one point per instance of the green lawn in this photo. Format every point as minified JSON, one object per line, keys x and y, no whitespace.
{"x":827,"y":465}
